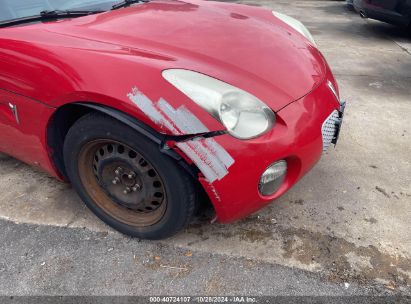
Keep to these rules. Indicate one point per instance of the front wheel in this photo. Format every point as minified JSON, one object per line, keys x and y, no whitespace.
{"x":125,"y":180}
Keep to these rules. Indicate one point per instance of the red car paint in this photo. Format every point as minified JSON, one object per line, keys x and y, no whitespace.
{"x":100,"y":58}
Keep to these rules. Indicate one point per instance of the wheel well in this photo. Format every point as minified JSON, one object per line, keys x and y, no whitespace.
{"x":66,"y":116}
{"x":62,"y":120}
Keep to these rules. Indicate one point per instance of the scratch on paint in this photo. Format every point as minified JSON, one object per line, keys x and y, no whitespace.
{"x":209,"y":156}
{"x":216,"y":195}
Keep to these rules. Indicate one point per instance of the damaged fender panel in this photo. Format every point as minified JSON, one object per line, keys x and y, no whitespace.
{"x":209,"y":156}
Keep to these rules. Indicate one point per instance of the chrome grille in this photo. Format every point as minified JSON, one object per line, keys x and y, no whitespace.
{"x":329,"y":129}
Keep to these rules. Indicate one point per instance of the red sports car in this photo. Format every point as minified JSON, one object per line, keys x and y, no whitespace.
{"x":144,"y":106}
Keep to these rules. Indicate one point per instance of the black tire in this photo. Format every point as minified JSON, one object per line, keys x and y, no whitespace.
{"x":180,"y":195}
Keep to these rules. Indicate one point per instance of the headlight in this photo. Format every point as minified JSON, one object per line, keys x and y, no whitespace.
{"x":244,"y":115}
{"x":297,"y":25}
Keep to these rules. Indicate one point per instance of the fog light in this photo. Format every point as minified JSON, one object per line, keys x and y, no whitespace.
{"x":272,"y":178}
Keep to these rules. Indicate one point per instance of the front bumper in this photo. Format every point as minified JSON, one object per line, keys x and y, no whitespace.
{"x":296,"y":138}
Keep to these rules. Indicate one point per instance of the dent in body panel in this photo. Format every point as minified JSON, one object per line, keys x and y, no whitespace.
{"x":209,"y":156}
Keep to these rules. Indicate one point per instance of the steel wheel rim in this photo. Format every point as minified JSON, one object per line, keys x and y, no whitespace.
{"x":100,"y":157}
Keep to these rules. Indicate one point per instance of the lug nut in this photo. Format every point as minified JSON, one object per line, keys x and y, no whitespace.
{"x":118,"y":171}
{"x":116,"y":180}
{"x":136,"y":187}
{"x":127,"y":190}
{"x":131,"y":175}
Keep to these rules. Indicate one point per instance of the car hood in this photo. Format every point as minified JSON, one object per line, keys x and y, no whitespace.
{"x":244,"y":46}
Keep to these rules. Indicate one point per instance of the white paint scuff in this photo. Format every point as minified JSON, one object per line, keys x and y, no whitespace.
{"x":209,"y":156}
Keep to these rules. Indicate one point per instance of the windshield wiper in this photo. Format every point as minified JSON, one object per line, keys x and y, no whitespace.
{"x":125,"y":3}
{"x":48,"y":15}
{"x":68,"y":13}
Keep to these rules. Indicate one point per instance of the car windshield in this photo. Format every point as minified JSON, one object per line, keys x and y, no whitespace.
{"x":16,"y":9}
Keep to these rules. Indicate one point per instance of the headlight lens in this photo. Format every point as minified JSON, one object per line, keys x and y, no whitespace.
{"x":297,"y":25}
{"x":244,"y":115}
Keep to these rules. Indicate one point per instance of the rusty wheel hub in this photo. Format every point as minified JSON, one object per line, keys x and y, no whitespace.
{"x":122,"y":182}
{"x":128,"y":178}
